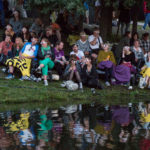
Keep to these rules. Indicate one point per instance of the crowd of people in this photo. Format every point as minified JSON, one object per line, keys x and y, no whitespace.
{"x":92,"y":126}
{"x":40,"y":49}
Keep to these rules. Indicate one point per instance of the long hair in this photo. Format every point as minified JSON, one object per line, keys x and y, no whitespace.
{"x":20,"y":42}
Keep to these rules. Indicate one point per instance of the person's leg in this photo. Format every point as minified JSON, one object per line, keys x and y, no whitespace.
{"x":78,"y":79}
{"x":59,"y":68}
{"x":45,"y":73}
{"x":71,"y":75}
{"x":147,"y":17}
{"x":122,"y":28}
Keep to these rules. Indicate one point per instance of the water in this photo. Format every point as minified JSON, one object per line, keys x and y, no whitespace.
{"x":76,"y":127}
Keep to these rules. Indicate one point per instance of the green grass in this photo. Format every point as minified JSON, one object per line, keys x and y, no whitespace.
{"x":16,"y":94}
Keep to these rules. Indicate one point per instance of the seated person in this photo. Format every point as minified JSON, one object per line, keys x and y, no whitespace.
{"x":95,"y":41}
{"x":9,"y":31}
{"x":46,"y":61}
{"x":79,"y":54}
{"x":60,"y":60}
{"x":139,"y":54}
{"x":89,"y":75}
{"x":122,"y":73}
{"x":37,"y":27}
{"x":17,"y":47}
{"x":105,"y":62}
{"x":73,"y":69}
{"x":51,"y":36}
{"x":23,"y":61}
{"x":6,"y":49}
{"x":16,"y":22}
{"x":83,"y":44}
{"x":25,"y":35}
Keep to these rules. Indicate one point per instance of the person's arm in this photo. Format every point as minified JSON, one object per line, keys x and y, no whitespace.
{"x":100,"y":57}
{"x":1,"y":47}
{"x":93,"y":41}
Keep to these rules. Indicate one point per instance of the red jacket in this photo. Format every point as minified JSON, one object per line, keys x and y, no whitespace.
{"x":145,"y":8}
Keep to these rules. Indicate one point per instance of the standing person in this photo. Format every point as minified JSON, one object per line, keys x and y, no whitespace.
{"x":147,"y":15}
{"x":46,"y":62}
{"x":16,"y":22}
{"x":23,"y":61}
{"x":2,"y":14}
{"x":125,"y":41}
{"x":145,"y":43}
{"x":124,"y":18}
{"x":86,"y":6}
{"x":95,"y":41}
{"x":60,"y":60}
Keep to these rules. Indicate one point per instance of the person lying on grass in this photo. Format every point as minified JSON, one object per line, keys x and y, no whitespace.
{"x":23,"y":61}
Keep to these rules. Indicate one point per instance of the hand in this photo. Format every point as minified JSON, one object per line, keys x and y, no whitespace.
{"x":62,"y":63}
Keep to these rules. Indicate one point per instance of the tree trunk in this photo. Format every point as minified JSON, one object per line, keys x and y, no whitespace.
{"x":135,"y":11}
{"x":106,"y":21}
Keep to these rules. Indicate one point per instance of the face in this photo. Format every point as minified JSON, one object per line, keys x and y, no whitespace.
{"x":129,"y":35}
{"x":16,"y":14}
{"x":8,"y":27}
{"x":105,"y":47}
{"x":17,"y":41}
{"x":88,"y":61}
{"x":96,"y":33}
{"x":44,"y":43}
{"x":24,"y":30}
{"x":135,"y":37}
{"x":75,"y":48}
{"x":7,"y":39}
{"x":61,"y":46}
{"x":146,"y":38}
{"x":83,"y":37}
{"x":49,"y":32}
{"x":136,"y":44}
{"x":34,"y":41}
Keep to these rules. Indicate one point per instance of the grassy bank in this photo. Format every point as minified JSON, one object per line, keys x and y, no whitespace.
{"x":15,"y":92}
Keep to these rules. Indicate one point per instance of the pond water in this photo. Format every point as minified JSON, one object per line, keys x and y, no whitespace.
{"x":77,"y":127}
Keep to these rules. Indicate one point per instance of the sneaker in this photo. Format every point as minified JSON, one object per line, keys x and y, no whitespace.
{"x":25,"y":78}
{"x":10,"y":76}
{"x":130,"y":88}
{"x":45,"y":82}
{"x":4,"y":69}
{"x":107,"y":83}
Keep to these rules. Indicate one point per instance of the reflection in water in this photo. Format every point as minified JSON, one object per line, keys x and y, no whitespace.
{"x":77,"y":127}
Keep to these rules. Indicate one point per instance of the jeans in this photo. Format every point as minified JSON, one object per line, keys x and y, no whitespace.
{"x":127,"y":25}
{"x":147,"y":20}
{"x":2,"y":17}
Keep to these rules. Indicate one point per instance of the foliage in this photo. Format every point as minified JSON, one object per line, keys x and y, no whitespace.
{"x":50,"y":5}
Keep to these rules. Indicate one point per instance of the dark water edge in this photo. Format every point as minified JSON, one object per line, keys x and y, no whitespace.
{"x":91,"y":126}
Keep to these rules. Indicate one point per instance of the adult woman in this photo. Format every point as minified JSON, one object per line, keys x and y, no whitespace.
{"x":73,"y":69}
{"x":83,"y":43}
{"x":89,"y":75}
{"x":25,"y":35}
{"x":139,"y":54}
{"x":122,"y":73}
{"x":16,"y":23}
{"x":9,"y":31}
{"x":18,"y":45}
{"x":105,"y":62}
{"x":135,"y":37}
{"x":46,"y":62}
{"x":125,"y":41}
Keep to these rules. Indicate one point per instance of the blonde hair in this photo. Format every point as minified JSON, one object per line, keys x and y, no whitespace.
{"x":46,"y":40}
{"x":20,"y":42}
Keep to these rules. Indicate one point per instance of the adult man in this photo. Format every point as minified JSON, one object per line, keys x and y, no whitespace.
{"x":78,"y":53}
{"x":60,"y":60}
{"x":145,"y":43}
{"x":23,"y":62}
{"x":95,"y":41}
